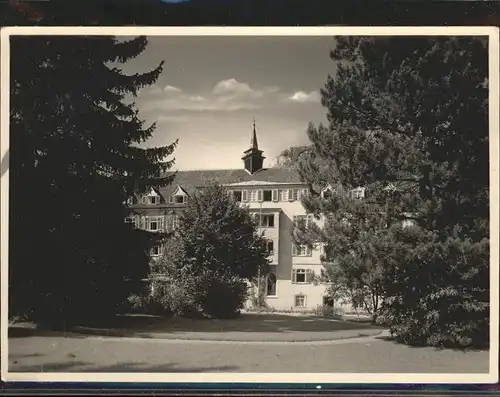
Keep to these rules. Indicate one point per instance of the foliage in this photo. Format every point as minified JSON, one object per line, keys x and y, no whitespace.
{"x":211,"y":256}
{"x":75,"y":159}
{"x":408,"y":121}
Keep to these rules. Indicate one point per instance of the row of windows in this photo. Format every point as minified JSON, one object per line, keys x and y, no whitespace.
{"x":269,"y":247}
{"x":256,"y":195}
{"x":263,"y":195}
{"x":267,"y":220}
{"x":171,"y":222}
{"x":156,"y":200}
{"x":154,"y":223}
{"x":149,"y":200}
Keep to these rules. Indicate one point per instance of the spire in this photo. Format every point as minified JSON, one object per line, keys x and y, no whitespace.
{"x":252,"y":157}
{"x":253,"y":143}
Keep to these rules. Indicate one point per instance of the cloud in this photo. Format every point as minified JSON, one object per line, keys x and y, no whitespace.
{"x":304,"y":97}
{"x":197,"y":98}
{"x":226,"y":96}
{"x":171,"y":89}
{"x":231,"y":87}
{"x":155,"y":90}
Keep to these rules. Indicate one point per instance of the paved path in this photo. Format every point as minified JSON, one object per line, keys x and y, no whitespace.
{"x":107,"y":354}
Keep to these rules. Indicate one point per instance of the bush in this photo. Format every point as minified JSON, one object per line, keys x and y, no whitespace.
{"x":224,"y":298}
{"x":449,"y":305}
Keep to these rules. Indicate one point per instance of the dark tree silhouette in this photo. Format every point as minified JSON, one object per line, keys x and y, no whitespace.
{"x":75,"y":159}
{"x":408,"y":121}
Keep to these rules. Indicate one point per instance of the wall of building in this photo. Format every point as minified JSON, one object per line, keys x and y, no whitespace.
{"x":284,"y":261}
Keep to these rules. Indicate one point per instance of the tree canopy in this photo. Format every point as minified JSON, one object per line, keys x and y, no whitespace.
{"x":213,"y":253}
{"x":75,"y":138}
{"x":408,"y":122}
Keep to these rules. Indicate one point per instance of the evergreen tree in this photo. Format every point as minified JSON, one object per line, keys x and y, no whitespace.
{"x":214,"y":253}
{"x":75,"y":159}
{"x":408,"y":121}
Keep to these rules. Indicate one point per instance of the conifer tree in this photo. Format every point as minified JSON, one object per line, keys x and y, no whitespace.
{"x":408,"y":121}
{"x":75,"y":159}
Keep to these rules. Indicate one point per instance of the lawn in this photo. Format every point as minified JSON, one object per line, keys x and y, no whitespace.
{"x":248,"y":326}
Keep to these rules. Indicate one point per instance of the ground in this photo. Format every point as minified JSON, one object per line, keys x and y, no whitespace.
{"x":294,"y":344}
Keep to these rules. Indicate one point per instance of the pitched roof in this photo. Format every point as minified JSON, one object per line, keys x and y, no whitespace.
{"x":190,"y":180}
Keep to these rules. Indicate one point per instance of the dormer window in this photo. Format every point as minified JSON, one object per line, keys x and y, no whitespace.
{"x":179,"y":196}
{"x":180,"y":199}
{"x":327,"y":193}
{"x":130,"y":201}
{"x":154,"y":200}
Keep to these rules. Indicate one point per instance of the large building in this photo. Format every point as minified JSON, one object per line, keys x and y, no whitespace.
{"x":271,"y":194}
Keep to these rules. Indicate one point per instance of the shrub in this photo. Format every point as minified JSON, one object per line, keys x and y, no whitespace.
{"x":224,"y":297}
{"x":449,"y":303}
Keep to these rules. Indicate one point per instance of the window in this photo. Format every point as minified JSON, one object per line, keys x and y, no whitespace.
{"x":299,"y":276}
{"x":275,"y":195}
{"x":408,"y":223}
{"x":154,"y":200}
{"x":130,"y":201}
{"x":175,"y":222}
{"x":180,"y":199}
{"x":244,"y":195}
{"x":157,"y":250}
{"x":238,"y":196}
{"x":154,"y":224}
{"x":328,"y":301}
{"x":358,"y":193}
{"x":143,"y":200}
{"x":327,"y":194}
{"x":292,"y":194}
{"x":301,"y":193}
{"x":130,"y":219}
{"x":300,"y":250}
{"x":271,"y":285}
{"x":283,"y":195}
{"x":254,"y":195}
{"x":326,"y":277}
{"x":300,"y":300}
{"x":267,"y":220}
{"x":270,"y":247}
{"x":302,"y":220}
{"x":267,"y":195}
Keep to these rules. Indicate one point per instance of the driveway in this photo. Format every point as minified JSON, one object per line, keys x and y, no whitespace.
{"x":109,"y":354}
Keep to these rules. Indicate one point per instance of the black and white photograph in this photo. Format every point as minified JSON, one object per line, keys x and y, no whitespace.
{"x":250,"y":204}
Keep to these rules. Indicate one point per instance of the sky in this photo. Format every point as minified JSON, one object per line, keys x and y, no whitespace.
{"x":213,"y":87}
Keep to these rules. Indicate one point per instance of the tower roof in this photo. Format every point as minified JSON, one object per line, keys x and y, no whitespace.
{"x":253,"y":143}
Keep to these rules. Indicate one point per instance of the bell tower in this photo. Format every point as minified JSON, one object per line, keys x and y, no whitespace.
{"x":252,"y":157}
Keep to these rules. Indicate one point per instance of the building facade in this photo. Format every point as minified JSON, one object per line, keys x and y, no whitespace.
{"x":273,"y":196}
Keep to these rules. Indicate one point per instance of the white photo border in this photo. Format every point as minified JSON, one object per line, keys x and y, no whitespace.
{"x":315,"y":378}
